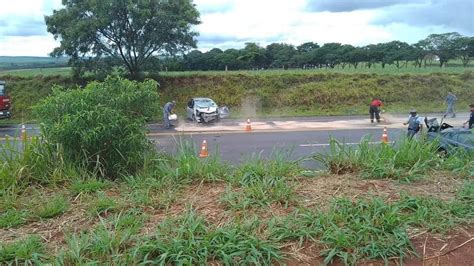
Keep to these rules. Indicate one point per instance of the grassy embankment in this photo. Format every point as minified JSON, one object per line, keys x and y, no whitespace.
{"x":185,"y":210}
{"x":284,"y":93}
{"x":93,"y":190}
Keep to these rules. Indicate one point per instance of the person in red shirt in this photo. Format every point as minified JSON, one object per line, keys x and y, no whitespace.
{"x":374,"y":110}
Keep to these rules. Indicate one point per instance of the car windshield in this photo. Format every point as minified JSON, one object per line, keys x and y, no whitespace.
{"x":204,"y":103}
{"x":2,"y":89}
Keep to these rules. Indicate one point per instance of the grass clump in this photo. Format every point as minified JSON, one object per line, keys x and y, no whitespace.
{"x":51,"y":207}
{"x":189,"y":239}
{"x":102,"y":204}
{"x":185,"y":166}
{"x":111,"y":241}
{"x":406,"y":160}
{"x":372,"y":228}
{"x":260,"y":182}
{"x":13,"y":218}
{"x":88,"y":186}
{"x":25,"y":251}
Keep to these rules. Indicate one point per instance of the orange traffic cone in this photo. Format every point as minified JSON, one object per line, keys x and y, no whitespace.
{"x":23,"y":133}
{"x":204,"y":152}
{"x":385,"y":135}
{"x":248,"y":127}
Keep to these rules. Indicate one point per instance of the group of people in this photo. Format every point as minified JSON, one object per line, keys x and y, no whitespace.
{"x":415,"y":122}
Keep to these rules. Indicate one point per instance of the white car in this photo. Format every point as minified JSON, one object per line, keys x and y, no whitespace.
{"x":204,"y":110}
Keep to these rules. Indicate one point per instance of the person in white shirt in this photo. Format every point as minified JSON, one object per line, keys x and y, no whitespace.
{"x":415,"y":124}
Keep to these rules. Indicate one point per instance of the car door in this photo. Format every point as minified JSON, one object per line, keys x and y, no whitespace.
{"x":190,"y":109}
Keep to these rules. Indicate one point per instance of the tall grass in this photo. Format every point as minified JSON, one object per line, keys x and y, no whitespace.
{"x":407,"y":159}
{"x":28,"y":251}
{"x":189,"y":240}
{"x":260,"y":182}
{"x":372,"y":228}
{"x":35,"y":162}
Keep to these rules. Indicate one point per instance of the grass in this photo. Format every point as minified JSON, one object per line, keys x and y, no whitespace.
{"x":88,"y":186}
{"x":13,"y":218}
{"x":102,"y":204}
{"x":190,"y":240}
{"x":24,"y":251}
{"x":51,"y":207}
{"x":371,"y":228}
{"x":406,"y":160}
{"x":259,"y":182}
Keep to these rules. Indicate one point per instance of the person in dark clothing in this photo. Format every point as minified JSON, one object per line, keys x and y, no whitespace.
{"x":470,"y":122}
{"x":374,"y":110}
{"x":167,"y":111}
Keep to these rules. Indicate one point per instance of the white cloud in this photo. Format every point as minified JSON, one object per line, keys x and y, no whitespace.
{"x":27,"y":46}
{"x":231,"y":23}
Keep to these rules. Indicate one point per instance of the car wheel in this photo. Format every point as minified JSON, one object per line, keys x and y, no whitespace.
{"x":442,"y":152}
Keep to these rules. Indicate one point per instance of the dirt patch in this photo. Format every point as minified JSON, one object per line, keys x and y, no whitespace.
{"x":321,"y":190}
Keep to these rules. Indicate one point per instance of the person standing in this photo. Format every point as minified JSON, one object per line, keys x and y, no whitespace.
{"x":415,"y":124}
{"x":374,"y":110}
{"x":167,"y":111}
{"x":470,"y":122}
{"x":450,"y":101}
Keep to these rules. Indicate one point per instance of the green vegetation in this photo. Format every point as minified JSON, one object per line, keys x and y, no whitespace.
{"x":280,"y":93}
{"x":135,"y":205}
{"x":405,"y":160}
{"x":24,"y":62}
{"x":102,"y":125}
{"x":24,"y":251}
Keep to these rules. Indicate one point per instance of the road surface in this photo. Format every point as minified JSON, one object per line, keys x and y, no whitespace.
{"x":302,"y":137}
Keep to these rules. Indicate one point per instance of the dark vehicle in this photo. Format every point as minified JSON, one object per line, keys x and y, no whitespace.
{"x":5,"y":101}
{"x":449,"y":137}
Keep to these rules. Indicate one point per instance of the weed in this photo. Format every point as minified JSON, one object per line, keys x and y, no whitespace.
{"x":102,"y":204}
{"x":24,"y":251}
{"x":88,"y":186}
{"x":110,"y":241}
{"x":190,"y":240}
{"x":51,"y":207}
{"x":13,"y":218}
{"x":406,"y":160}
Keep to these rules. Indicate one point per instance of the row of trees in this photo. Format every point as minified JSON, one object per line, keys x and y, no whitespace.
{"x":439,"y":47}
{"x":146,"y":35}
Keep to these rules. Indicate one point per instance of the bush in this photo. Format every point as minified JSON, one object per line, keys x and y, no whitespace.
{"x":102,"y":125}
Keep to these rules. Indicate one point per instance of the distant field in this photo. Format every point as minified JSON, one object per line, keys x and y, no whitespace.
{"x":30,"y":62}
{"x":388,"y":70}
{"x":62,"y":71}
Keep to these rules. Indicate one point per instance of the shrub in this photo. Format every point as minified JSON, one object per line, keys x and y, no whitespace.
{"x":102,"y":125}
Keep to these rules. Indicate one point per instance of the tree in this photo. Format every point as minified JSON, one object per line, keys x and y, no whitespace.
{"x":254,"y":55}
{"x":465,"y":49}
{"x":129,"y":30}
{"x":280,"y":55}
{"x":443,"y":45}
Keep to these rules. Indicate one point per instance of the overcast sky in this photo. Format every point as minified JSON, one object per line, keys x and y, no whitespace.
{"x":232,"y":23}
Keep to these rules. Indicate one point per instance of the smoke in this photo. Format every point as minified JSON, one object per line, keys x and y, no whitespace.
{"x":249,"y":106}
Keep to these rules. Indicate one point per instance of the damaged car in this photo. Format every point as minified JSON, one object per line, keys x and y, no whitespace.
{"x":205,"y":110}
{"x":449,"y":138}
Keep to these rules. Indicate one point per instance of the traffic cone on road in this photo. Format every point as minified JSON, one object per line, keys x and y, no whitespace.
{"x":23,"y":133}
{"x":248,"y":127}
{"x":204,"y":152}
{"x":384,"y":135}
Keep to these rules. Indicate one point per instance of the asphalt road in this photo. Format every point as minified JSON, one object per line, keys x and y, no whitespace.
{"x":235,"y":146}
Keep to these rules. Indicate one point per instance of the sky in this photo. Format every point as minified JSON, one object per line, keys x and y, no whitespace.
{"x":231,"y":23}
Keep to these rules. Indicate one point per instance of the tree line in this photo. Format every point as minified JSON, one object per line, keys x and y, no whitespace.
{"x":439,"y":48}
